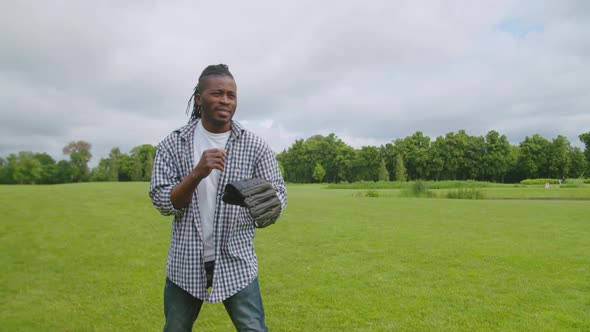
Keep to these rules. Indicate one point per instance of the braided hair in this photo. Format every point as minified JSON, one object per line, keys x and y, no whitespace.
{"x":211,"y":70}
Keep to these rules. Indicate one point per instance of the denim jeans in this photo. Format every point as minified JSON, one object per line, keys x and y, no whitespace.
{"x":244,"y":308}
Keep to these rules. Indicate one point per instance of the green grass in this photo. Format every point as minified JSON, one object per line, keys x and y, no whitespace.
{"x":90,"y":257}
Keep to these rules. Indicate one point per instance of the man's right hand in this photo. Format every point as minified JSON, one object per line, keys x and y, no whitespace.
{"x":210,"y":160}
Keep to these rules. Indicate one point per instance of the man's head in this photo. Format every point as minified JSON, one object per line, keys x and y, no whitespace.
{"x":215,"y":98}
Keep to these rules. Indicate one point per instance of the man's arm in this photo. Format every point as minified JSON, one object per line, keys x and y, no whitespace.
{"x":170,"y":194}
{"x":181,"y":193}
{"x":165,"y":175}
{"x":267,"y":168}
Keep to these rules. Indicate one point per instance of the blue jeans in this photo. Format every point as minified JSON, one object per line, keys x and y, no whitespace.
{"x":244,"y":308}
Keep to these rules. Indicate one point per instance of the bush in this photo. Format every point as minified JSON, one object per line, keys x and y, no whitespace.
{"x":461,"y":193}
{"x":404,"y":185}
{"x":418,"y":189}
{"x":452,"y":184}
{"x":372,"y":193}
{"x":539,"y":181}
{"x":574,"y":183}
{"x":365,"y":185}
{"x":369,"y":193}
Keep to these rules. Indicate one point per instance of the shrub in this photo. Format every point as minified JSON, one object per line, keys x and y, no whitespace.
{"x":573,"y":183}
{"x":418,"y":189}
{"x":368,"y":193}
{"x":372,"y":193}
{"x":404,"y":185}
{"x":539,"y":181}
{"x":469,"y":193}
{"x":365,"y":185}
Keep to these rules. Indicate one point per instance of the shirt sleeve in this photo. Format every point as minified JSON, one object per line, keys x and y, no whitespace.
{"x":164,"y":178}
{"x":267,"y":168}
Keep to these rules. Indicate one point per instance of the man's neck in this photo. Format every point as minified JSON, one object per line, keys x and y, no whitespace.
{"x":216,"y":129}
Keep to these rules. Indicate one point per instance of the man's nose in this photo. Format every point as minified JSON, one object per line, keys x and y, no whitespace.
{"x":224,"y":99}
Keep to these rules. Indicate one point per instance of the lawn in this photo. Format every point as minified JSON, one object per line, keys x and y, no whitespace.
{"x":91,"y":257}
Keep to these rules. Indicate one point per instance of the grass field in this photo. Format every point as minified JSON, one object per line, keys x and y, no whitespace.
{"x":91,"y":257}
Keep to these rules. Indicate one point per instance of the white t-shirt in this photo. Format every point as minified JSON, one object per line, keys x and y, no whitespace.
{"x":207,"y":189}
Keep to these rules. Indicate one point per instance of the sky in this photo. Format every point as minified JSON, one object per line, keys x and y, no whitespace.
{"x":120,"y":73}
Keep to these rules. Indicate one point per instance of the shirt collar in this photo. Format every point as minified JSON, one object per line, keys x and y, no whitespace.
{"x":187,"y":131}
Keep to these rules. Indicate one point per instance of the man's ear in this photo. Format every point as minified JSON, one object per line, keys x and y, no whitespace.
{"x":198,"y":99}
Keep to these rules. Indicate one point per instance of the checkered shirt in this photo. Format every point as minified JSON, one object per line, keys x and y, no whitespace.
{"x":235,"y":260}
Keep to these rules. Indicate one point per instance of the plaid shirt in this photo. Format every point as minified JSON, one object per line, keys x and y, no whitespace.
{"x":235,"y":261}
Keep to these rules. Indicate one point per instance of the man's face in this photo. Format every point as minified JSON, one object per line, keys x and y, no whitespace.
{"x":218,"y":100}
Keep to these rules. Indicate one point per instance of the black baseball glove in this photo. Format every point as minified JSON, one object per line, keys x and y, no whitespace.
{"x":259,"y":196}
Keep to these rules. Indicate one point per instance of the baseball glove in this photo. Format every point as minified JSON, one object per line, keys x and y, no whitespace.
{"x":258,"y":196}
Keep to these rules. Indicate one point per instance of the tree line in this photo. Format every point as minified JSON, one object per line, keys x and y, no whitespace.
{"x":454,"y":156}
{"x":41,"y":168}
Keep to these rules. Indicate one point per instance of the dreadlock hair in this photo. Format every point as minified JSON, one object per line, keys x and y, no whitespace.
{"x":211,"y":70}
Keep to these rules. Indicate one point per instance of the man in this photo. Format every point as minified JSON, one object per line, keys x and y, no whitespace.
{"x":211,"y":256}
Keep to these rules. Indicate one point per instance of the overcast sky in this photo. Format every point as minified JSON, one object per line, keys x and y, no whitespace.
{"x":119,"y":73}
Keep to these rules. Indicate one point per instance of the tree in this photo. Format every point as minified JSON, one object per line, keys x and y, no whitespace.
{"x":578,"y":164}
{"x":27,"y":169}
{"x":514,"y":174}
{"x":383,"y":172}
{"x":342,"y":162}
{"x":63,"y":172}
{"x":296,"y":163}
{"x":401,"y":174}
{"x":79,"y":152}
{"x":454,"y":154}
{"x":101,"y":172}
{"x":7,"y":169}
{"x":585,"y":138}
{"x":557,"y":154}
{"x":365,"y":165}
{"x":415,"y":150}
{"x":437,"y":159}
{"x":108,"y":168}
{"x":319,"y":172}
{"x":497,"y":156}
{"x":125,"y":167}
{"x":389,"y":153}
{"x":532,"y":159}
{"x":3,"y":168}
{"x":473,"y":158}
{"x":143,"y":161}
{"x":300,"y":159}
{"x":113,"y":164}
{"x":48,"y":168}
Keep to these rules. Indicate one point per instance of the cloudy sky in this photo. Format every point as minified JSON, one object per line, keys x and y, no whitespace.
{"x":119,"y":73}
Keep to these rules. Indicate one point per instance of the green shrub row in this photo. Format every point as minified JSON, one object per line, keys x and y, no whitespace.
{"x":539,"y":181}
{"x":367,"y":185}
{"x":572,"y":181}
{"x":462,"y":193}
{"x":408,"y":185}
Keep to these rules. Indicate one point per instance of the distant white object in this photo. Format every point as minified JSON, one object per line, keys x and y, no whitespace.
{"x":546,"y":185}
